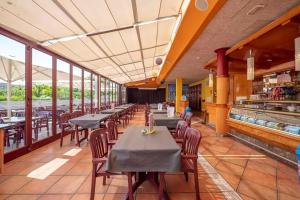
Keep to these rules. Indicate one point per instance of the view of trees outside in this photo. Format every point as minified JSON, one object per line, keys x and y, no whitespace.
{"x":107,"y":89}
{"x":102,"y":89}
{"x":95,"y":90}
{"x":77,"y":88}
{"x":63,"y":85}
{"x":87,"y":89}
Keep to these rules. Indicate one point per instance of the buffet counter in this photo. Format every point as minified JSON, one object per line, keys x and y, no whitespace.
{"x":273,"y":122}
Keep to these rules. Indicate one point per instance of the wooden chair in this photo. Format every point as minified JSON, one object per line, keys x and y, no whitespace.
{"x":179,"y":133}
{"x":112,"y":133}
{"x":124,"y":117}
{"x":66,"y":127}
{"x":189,"y":156}
{"x":188,"y":118}
{"x":99,"y":148}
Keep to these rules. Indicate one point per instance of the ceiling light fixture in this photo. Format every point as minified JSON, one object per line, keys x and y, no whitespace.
{"x":297,"y":54}
{"x":250,"y":67}
{"x":255,"y":9}
{"x":210,"y":79}
{"x":73,"y":37}
{"x":201,"y":5}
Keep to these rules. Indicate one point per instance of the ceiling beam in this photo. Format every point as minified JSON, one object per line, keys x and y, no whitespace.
{"x":193,"y":23}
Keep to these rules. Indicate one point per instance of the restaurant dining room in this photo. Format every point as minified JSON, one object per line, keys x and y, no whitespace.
{"x":149,"y":99}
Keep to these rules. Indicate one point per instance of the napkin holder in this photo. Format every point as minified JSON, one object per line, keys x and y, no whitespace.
{"x":170,"y":111}
{"x":159,"y":107}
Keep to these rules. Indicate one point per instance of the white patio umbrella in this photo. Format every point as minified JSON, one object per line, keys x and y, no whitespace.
{"x":13,"y":71}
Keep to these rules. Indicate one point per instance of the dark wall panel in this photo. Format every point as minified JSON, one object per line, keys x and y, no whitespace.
{"x":146,"y":96}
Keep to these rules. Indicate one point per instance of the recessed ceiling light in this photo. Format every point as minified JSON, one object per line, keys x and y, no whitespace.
{"x":256,"y":8}
{"x":197,"y":57}
{"x":269,"y":60}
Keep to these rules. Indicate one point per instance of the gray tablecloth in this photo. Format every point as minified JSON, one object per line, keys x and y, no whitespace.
{"x":112,"y":111}
{"x":136,"y":152}
{"x":89,"y":120}
{"x":164,"y":120}
{"x":155,"y":111}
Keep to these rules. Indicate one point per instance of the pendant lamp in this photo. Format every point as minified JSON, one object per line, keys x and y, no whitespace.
{"x":250,"y":67}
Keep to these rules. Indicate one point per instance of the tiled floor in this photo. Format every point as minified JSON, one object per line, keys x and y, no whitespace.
{"x":227,"y":170}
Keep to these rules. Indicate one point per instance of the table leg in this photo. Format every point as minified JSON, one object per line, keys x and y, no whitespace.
{"x":77,"y":136}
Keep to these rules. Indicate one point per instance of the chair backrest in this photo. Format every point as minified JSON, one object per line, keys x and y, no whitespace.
{"x":182,"y":115}
{"x":191,"y":141}
{"x":147,"y":117}
{"x":180,"y":129}
{"x":96,"y":110}
{"x":98,"y":143}
{"x":188,"y":118}
{"x":112,"y":133}
{"x":64,"y":117}
{"x":76,"y":113}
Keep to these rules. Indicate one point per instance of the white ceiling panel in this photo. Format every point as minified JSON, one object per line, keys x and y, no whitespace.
{"x":139,"y":65}
{"x":103,"y":45}
{"x":62,"y":49}
{"x":22,"y":27}
{"x":130,"y":38}
{"x":93,"y":47}
{"x":114,"y":42}
{"x":148,"y":35}
{"x":161,"y":50}
{"x":148,"y":62}
{"x":28,"y":11}
{"x":170,"y":7}
{"x":122,"y":12}
{"x":81,"y":48}
{"x":147,"y":10}
{"x":97,"y":13}
{"x":149,"y":53}
{"x":129,"y":67}
{"x":165,"y":29}
{"x":136,"y":56}
{"x":124,"y":58}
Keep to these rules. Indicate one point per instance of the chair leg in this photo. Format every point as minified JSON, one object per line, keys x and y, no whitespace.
{"x":61,"y":139}
{"x":161,"y":184}
{"x":196,"y":181}
{"x":130,"y":189}
{"x":104,"y":180}
{"x":186,"y":176}
{"x":93,"y":185}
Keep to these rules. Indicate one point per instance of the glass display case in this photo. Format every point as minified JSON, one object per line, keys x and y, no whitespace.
{"x":282,"y":116}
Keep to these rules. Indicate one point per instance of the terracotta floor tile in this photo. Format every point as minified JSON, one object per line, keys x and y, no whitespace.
{"x":256,"y":191}
{"x":2,"y":196}
{"x":245,"y":197}
{"x":13,"y":184}
{"x":268,"y":169}
{"x":230,"y":168}
{"x":283,"y":196}
{"x":289,"y":187}
{"x":38,"y":186}
{"x":260,"y":178}
{"x":87,"y":197}
{"x":86,"y":186}
{"x":231,"y":179}
{"x":146,"y":197}
{"x":55,"y":197}
{"x":22,"y":197}
{"x":114,"y":196}
{"x":65,"y":168}
{"x":118,"y":186}
{"x":147,"y":187}
{"x":67,"y":185}
{"x":81,"y":168}
{"x":3,"y":178}
{"x":173,"y":186}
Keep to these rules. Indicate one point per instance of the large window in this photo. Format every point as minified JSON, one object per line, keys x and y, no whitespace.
{"x":95,"y":90}
{"x":102,"y":91}
{"x":41,"y":95}
{"x":107,"y":90}
{"x":62,"y":86}
{"x":87,"y":91}
{"x":77,"y":88}
{"x":12,"y":92}
{"x":123,"y":94}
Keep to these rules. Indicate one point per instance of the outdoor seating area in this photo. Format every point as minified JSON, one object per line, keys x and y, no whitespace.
{"x":149,"y":99}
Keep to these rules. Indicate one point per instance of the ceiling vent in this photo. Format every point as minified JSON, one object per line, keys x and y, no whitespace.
{"x":255,"y":9}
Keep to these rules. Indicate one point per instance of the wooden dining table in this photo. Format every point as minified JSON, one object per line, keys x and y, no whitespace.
{"x":149,"y":156}
{"x":165,"y":120}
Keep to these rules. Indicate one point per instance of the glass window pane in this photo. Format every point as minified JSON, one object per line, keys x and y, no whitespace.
{"x":63,"y":86}
{"x":41,"y":95}
{"x":102,"y":84}
{"x":87,"y":91}
{"x":77,"y":88}
{"x":95,"y":90}
{"x":12,"y":91}
{"x":107,"y":92}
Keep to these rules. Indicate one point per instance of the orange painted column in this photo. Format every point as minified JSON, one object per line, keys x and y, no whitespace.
{"x":222,"y":92}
